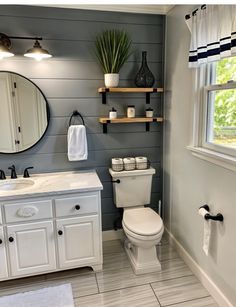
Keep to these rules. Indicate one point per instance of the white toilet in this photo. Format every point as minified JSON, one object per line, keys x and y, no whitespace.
{"x":143,"y":226}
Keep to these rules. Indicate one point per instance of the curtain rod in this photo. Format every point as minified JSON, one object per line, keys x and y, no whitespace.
{"x":188,"y":16}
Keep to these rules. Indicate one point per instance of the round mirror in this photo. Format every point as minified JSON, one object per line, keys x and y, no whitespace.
{"x":24,"y":113}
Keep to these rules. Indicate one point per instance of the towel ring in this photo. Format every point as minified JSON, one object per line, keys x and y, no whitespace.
{"x":74,"y":114}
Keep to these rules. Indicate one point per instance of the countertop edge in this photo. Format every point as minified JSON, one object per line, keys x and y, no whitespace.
{"x":51,"y":193}
{"x":95,"y":186}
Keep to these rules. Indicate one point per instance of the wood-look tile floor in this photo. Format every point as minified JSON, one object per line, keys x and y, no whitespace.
{"x":117,"y":285}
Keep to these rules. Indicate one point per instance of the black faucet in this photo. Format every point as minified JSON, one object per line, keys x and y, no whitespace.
{"x":2,"y":175}
{"x":13,"y":171}
{"x":26,"y":173}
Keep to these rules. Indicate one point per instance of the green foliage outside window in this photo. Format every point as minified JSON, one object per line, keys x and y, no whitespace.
{"x":225,"y":104}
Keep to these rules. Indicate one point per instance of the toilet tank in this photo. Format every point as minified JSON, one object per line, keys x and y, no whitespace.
{"x":134,"y":188}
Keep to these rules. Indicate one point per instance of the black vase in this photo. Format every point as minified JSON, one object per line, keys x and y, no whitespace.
{"x":144,"y":77}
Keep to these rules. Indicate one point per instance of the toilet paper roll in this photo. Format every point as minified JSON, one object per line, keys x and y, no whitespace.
{"x":202,"y":212}
{"x":141,"y":162}
{"x":129,"y":163}
{"x":207,"y":231}
{"x":117,"y":164}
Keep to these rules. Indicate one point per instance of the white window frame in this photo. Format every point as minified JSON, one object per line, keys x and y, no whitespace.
{"x":205,"y":119}
{"x":225,"y":157}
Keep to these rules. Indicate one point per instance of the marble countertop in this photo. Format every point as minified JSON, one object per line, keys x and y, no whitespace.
{"x":47,"y":184}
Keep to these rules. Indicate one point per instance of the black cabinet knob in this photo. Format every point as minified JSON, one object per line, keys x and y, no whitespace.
{"x":11,"y":239}
{"x":77,"y":207}
{"x":60,"y":232}
{"x":0,"y":241}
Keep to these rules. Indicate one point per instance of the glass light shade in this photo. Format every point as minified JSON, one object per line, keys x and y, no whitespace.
{"x":37,"y":52}
{"x":4,"y":52}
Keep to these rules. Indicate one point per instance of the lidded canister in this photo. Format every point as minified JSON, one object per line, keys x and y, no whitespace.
{"x":149,"y":112}
{"x":112,"y":113}
{"x":131,"y":111}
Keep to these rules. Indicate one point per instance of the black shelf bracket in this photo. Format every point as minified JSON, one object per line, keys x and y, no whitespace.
{"x":147,"y":126}
{"x":104,"y":96}
{"x":147,"y":98}
{"x":104,"y":126}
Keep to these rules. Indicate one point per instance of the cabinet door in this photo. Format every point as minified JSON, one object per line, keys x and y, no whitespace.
{"x":31,"y":248}
{"x":78,"y":241}
{"x":3,"y":259}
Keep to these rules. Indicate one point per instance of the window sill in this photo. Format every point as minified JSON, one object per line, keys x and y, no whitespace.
{"x":211,"y":156}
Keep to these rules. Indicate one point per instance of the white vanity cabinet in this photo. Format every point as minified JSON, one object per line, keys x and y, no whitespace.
{"x":46,"y":234}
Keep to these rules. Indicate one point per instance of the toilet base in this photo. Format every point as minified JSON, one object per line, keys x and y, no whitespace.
{"x":143,"y":260}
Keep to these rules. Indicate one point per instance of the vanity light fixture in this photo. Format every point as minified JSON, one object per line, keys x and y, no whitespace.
{"x":5,"y":46}
{"x":37,"y":52}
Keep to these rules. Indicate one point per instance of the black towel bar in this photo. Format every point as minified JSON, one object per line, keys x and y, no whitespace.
{"x":74,"y":114}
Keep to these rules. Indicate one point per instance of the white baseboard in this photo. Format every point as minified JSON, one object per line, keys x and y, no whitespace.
{"x":207,"y":282}
{"x":109,"y":235}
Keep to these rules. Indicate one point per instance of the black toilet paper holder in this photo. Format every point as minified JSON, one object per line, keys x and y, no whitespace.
{"x":218,"y":217}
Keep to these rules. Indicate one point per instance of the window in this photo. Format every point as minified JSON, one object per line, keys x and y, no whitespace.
{"x":219,"y":109}
{"x":214,"y":131}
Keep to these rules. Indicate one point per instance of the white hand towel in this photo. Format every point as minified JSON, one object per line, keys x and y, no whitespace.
{"x":77,"y":143}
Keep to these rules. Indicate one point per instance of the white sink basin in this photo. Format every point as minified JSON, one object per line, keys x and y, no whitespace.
{"x":15,"y":184}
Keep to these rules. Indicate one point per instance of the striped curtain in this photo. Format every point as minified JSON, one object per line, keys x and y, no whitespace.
{"x":213,"y":34}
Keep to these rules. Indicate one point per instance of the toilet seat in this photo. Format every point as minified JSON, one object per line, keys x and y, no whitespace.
{"x":142,"y":222}
{"x":141,"y":237}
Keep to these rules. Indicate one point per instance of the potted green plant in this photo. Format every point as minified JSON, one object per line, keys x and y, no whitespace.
{"x":112,"y":50}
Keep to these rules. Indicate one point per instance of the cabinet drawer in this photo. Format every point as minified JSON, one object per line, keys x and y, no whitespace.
{"x":81,"y":204}
{"x":28,"y":211}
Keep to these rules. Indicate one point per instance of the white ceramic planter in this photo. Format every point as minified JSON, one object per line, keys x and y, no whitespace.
{"x":111,"y":80}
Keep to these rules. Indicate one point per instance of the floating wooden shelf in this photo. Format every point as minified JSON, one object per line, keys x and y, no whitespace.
{"x":130,"y":90}
{"x":128,"y":120}
{"x":148,"y":91}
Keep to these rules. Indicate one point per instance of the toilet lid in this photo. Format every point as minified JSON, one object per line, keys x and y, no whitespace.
{"x":143,"y":221}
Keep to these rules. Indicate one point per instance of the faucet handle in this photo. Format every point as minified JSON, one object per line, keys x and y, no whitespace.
{"x":26,"y":173}
{"x":2,"y":175}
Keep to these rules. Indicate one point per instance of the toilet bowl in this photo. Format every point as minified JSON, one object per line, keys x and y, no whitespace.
{"x":143,"y":228}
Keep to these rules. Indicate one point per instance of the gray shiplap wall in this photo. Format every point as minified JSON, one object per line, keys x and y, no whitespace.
{"x":70,"y":81}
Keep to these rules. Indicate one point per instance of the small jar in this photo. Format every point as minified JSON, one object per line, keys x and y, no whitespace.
{"x":149,"y":112}
{"x":131,"y":111}
{"x":112,"y":113}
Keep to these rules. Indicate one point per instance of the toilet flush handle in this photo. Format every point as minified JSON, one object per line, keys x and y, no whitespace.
{"x":116,"y":181}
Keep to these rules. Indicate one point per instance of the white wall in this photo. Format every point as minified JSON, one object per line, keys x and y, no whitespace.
{"x":189,"y":181}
